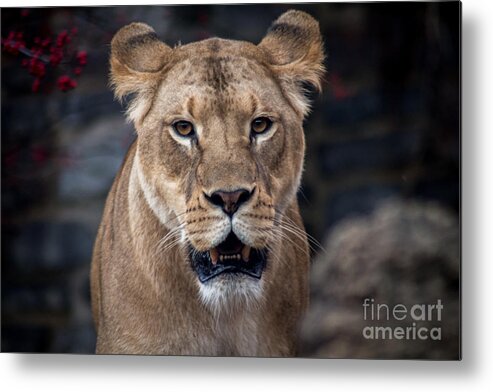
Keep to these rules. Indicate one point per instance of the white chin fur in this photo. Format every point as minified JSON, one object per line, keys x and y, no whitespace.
{"x":229,"y":293}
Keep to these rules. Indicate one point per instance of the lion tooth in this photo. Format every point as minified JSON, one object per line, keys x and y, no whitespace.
{"x":245,"y":253}
{"x":214,"y":255}
{"x":221,"y":258}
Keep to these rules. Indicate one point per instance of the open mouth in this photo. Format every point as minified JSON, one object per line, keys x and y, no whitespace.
{"x":230,"y":257}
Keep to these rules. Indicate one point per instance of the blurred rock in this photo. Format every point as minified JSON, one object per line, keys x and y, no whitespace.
{"x":403,"y":253}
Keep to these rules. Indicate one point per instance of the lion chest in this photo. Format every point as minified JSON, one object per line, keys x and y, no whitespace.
{"x":235,"y":335}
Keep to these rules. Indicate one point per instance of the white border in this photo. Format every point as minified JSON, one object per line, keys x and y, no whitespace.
{"x":84,"y":373}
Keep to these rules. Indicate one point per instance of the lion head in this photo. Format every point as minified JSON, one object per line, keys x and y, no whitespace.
{"x":220,"y":143}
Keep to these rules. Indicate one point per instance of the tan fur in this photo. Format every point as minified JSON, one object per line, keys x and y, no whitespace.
{"x":146,"y":298}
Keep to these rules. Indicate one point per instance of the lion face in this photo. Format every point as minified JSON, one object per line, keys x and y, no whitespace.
{"x":220,"y":139}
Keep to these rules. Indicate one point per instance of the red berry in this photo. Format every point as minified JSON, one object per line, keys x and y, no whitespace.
{"x":56,"y":57}
{"x":82,"y":57}
{"x":37,"y":68}
{"x":62,"y":39}
{"x":65,"y":83}
{"x":46,"y":42}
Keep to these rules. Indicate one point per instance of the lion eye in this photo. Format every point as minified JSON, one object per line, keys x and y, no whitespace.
{"x":184,"y":128}
{"x":261,"y":125}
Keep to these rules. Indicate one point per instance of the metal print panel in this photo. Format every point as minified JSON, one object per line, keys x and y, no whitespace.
{"x":261,"y":180}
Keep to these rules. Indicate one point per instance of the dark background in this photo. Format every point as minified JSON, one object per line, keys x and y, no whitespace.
{"x":383,"y":161}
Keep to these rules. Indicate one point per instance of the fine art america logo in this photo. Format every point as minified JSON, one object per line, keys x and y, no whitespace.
{"x":409,"y":321}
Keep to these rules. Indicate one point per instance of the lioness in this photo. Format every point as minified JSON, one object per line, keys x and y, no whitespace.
{"x":201,"y":248}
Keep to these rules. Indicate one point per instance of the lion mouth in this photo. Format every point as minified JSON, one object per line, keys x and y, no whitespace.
{"x":230,"y":257}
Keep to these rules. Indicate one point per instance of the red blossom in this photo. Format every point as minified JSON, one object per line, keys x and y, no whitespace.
{"x":13,"y":42}
{"x":56,"y":56}
{"x":37,"y":68}
{"x":45,"y":53}
{"x":20,"y":45}
{"x":46,"y":42}
{"x":63,"y":39}
{"x":82,"y":57}
{"x":66,"y":83}
{"x":36,"y":53}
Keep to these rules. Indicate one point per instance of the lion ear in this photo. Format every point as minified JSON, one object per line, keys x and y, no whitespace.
{"x":137,"y":59}
{"x":294,"y":49}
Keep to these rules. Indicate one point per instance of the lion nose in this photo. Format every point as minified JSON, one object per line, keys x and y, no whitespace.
{"x":229,"y":201}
